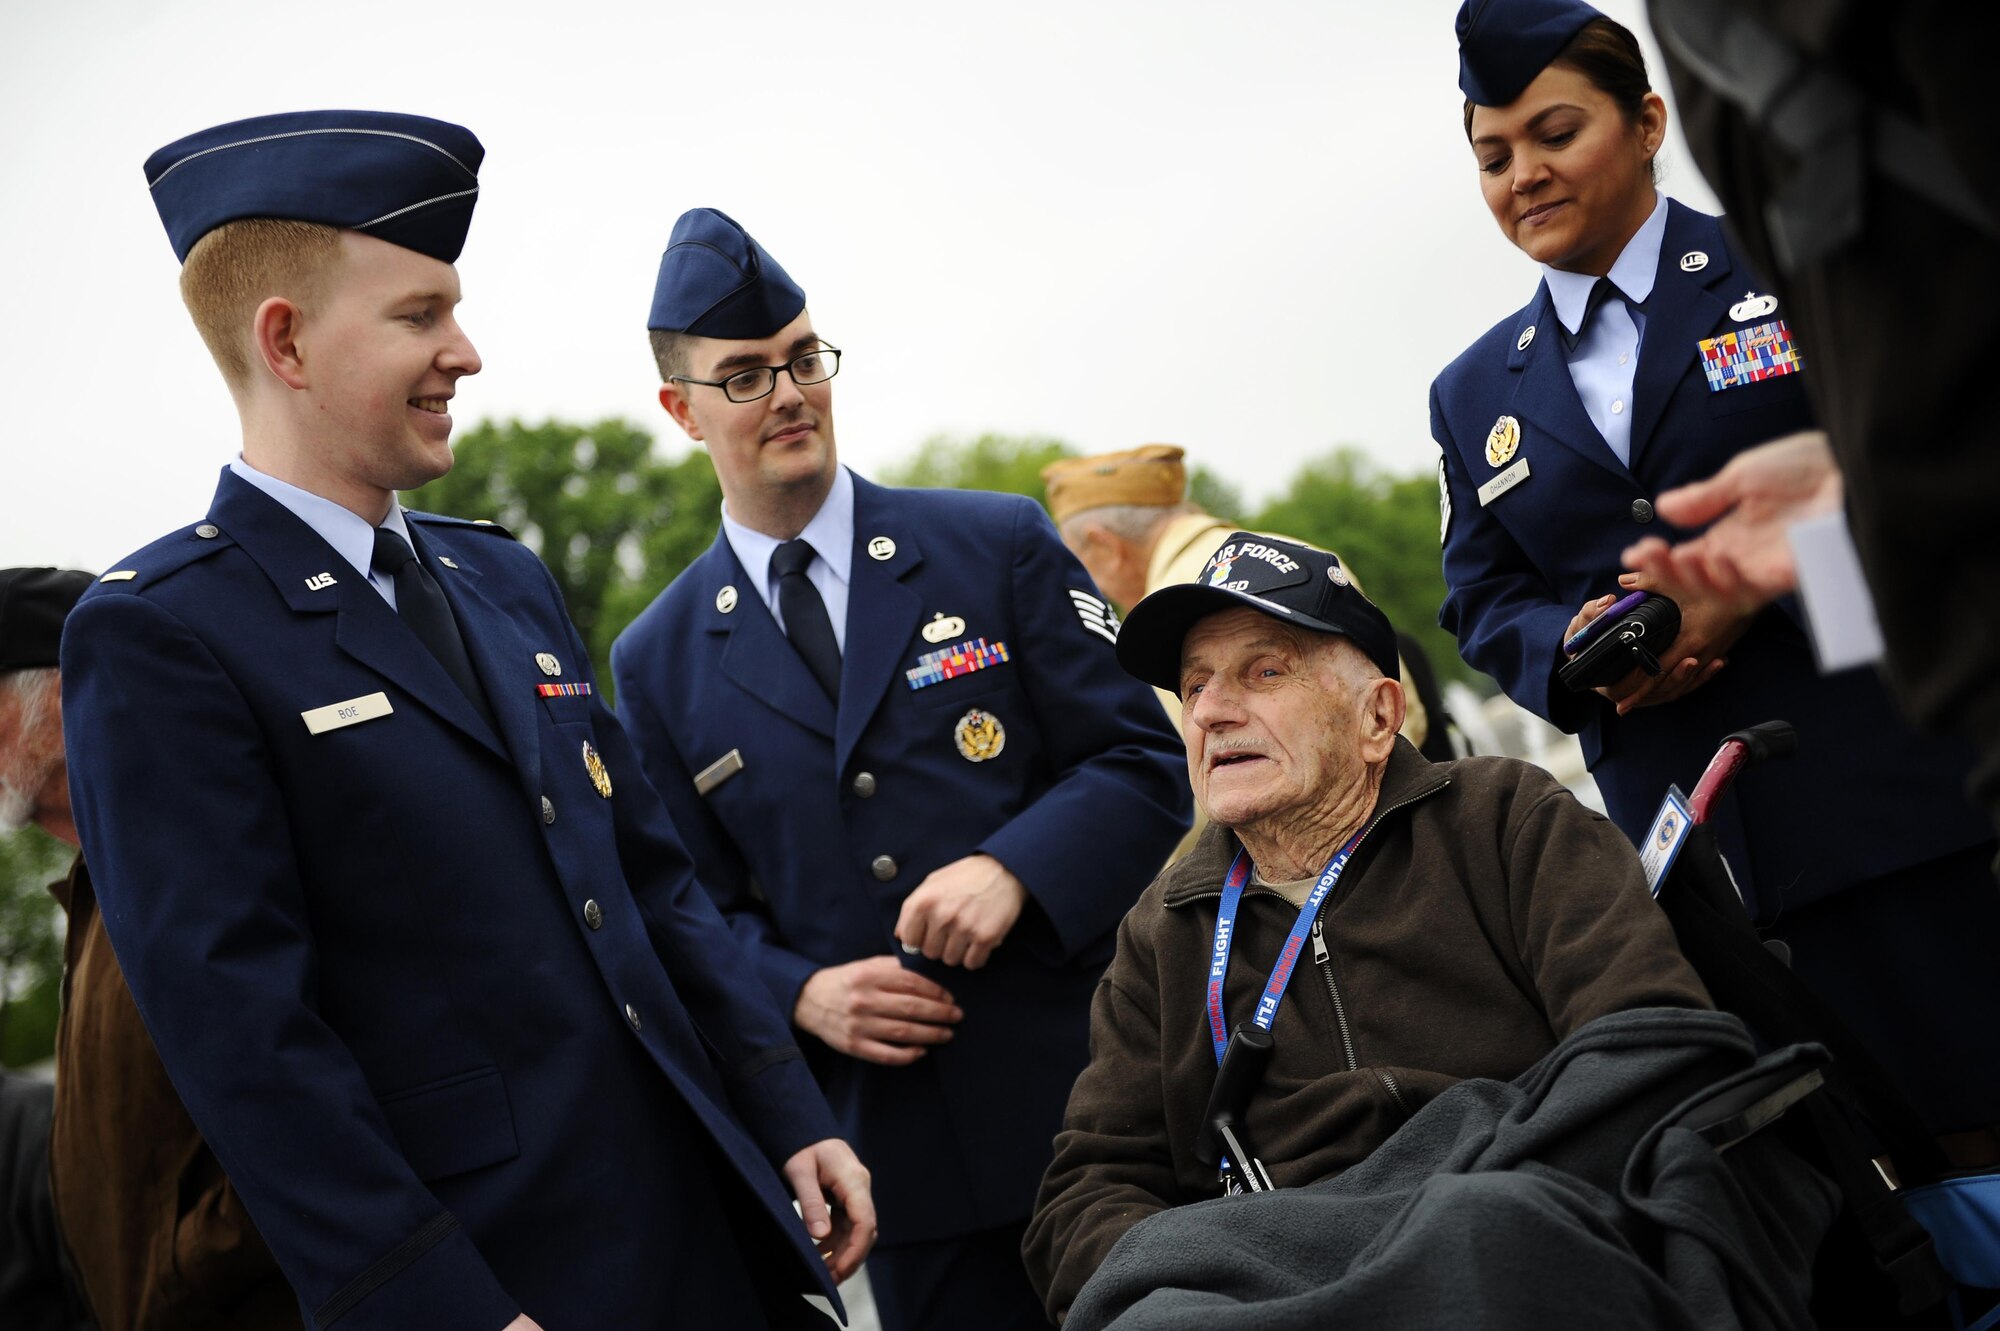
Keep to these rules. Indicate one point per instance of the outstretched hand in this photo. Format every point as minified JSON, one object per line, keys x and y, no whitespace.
{"x":1752,"y":502}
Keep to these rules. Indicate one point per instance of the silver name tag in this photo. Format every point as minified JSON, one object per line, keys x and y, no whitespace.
{"x":719,"y":771}
{"x":1503,"y":482}
{"x":350,"y":713}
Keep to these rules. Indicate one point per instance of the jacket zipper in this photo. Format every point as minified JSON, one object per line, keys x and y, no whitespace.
{"x":1323,"y":958}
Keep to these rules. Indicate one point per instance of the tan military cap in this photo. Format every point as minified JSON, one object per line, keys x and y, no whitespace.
{"x":1150,"y":474}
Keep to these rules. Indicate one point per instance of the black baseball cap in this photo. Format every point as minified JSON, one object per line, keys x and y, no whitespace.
{"x":1290,"y":582}
{"x":33,"y":604}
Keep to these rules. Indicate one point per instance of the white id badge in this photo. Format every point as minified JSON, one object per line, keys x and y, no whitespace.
{"x":1664,"y":838}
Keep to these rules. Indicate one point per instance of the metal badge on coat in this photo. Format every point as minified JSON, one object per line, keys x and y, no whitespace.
{"x":549,"y":665}
{"x":943,"y":626}
{"x":881,"y":547}
{"x":594,"y":765}
{"x":979,"y":736}
{"x":1693,"y":261}
{"x":1502,"y":440}
{"x":1527,"y":337}
{"x":1753,"y":306}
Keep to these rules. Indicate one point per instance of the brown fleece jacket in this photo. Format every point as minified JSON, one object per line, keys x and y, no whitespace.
{"x":1484,"y":916}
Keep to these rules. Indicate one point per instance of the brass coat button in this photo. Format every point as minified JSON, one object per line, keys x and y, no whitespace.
{"x":864,"y":784}
{"x":884,"y":867}
{"x":548,"y":809}
{"x":593,"y":914}
{"x":1642,"y":511}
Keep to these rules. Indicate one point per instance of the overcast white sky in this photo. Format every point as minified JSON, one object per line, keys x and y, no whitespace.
{"x":1252,"y":229}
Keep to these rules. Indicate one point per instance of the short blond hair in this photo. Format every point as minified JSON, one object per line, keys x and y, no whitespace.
{"x":236,"y":267}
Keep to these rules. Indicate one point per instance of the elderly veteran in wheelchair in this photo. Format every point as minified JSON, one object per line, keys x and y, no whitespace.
{"x":1358,"y":930}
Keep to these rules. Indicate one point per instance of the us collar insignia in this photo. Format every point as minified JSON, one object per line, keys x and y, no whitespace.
{"x":951,"y":662}
{"x":979,"y":736}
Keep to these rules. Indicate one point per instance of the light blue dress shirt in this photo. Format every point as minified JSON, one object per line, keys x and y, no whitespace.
{"x":1607,"y":355}
{"x":342,"y":528}
{"x":831,"y":535}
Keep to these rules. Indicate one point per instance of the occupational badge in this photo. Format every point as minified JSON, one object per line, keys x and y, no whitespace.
{"x":447,"y":561}
{"x":1502,"y":440}
{"x":549,"y":665}
{"x":595,"y":766}
{"x":980,"y":736}
{"x":943,"y":626}
{"x":1753,"y":306}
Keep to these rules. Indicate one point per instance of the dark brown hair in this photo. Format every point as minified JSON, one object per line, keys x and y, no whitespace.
{"x":1605,"y":52}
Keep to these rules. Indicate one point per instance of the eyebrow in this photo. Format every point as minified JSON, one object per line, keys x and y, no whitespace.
{"x":744,"y":359}
{"x":1533,"y":122}
{"x":1262,"y":644}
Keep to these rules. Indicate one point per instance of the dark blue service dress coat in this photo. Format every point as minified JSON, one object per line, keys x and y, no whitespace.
{"x":836,"y":814}
{"x":462,"y":1030}
{"x":1865,"y":794}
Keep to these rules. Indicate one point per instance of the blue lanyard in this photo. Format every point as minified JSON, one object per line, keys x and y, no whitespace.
{"x":1281,"y":974}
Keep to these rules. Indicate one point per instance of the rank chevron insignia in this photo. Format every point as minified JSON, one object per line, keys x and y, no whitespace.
{"x":1095,"y":616}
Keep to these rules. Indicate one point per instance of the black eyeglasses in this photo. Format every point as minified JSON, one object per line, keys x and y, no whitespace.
{"x":815,"y":367}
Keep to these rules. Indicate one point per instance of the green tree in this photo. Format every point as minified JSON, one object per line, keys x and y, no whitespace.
{"x":31,"y":932}
{"x":613,"y":521}
{"x":1011,"y":464}
{"x":1386,"y":527}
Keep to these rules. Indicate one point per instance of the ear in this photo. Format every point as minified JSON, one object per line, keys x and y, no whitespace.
{"x":1382,"y":708}
{"x":276,"y":331}
{"x":675,"y":400}
{"x":1652,"y":123}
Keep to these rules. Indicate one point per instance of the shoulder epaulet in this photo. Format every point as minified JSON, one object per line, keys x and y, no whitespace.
{"x":477,"y":524}
{"x":164,"y":557}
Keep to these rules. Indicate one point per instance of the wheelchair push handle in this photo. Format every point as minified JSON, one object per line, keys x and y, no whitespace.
{"x":1770,"y":739}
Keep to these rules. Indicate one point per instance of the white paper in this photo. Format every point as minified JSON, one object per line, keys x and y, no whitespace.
{"x":1835,"y":595}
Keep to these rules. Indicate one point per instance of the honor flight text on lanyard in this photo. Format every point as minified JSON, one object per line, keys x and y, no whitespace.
{"x":1281,"y":974}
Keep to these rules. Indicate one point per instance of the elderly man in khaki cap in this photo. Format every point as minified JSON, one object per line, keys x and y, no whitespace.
{"x":1126,"y":516}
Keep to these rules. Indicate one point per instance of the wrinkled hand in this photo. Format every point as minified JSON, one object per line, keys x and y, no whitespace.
{"x":845,"y":1231}
{"x":962,"y":912}
{"x":876,"y":1010}
{"x":1752,"y":501}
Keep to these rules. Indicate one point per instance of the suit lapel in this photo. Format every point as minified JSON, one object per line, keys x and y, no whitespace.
{"x":882,"y":615}
{"x":493,"y":641}
{"x":756,"y":654}
{"x":1545,"y":396}
{"x":297,"y":560}
{"x":1683,"y":309}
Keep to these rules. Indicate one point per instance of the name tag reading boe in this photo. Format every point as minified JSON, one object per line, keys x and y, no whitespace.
{"x":350,"y":713}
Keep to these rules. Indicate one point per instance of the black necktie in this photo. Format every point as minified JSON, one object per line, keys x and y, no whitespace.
{"x":421,"y":603}
{"x":806,"y":622}
{"x":1602,"y":290}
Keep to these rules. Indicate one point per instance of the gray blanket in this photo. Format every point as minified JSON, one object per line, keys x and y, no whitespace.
{"x":1563,"y":1198}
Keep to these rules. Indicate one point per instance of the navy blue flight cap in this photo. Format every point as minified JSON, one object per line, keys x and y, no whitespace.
{"x":1292,"y":583}
{"x":716,"y":281}
{"x":33,"y":604}
{"x":408,"y":180}
{"x":1504,"y":44}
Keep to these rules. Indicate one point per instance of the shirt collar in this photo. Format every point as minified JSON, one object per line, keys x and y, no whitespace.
{"x":830,"y":533}
{"x":350,"y":534}
{"x":1634,"y":272}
